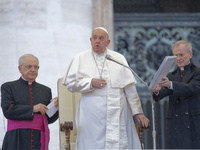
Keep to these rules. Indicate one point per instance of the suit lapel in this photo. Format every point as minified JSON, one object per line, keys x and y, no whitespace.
{"x":176,"y":75}
{"x":187,"y":76}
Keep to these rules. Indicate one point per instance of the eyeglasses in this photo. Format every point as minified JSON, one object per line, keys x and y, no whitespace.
{"x":28,"y":67}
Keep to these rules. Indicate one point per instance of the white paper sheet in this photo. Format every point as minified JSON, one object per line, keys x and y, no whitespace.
{"x":52,"y":109}
{"x":163,"y":70}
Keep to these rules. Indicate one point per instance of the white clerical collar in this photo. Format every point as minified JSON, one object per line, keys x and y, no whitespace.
{"x":100,"y":55}
{"x":182,"y":68}
{"x":29,"y":83}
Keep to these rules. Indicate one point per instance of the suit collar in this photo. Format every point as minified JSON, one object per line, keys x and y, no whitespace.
{"x":188,"y":73}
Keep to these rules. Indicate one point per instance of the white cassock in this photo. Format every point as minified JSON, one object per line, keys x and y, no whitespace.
{"x":104,"y":116}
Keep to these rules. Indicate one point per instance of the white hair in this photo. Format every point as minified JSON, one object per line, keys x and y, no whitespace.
{"x":20,"y":61}
{"x":188,"y":45}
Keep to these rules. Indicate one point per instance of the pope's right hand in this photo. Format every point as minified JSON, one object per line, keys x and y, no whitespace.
{"x":98,"y":83}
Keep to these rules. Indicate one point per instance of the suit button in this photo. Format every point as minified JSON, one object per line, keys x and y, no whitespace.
{"x":186,"y":113}
{"x":177,"y":101}
{"x":176,"y":115}
{"x":188,"y":126}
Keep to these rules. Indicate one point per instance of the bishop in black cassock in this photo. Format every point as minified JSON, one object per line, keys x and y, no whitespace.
{"x":26,"y":129}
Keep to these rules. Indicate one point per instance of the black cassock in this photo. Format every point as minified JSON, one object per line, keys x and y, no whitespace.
{"x":17,"y":101}
{"x":183,"y":116}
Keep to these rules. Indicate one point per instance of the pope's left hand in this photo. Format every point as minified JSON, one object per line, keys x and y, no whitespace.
{"x":143,"y":120}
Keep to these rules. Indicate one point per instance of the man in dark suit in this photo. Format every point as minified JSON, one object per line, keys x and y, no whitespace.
{"x":183,"y":88}
{"x":24,"y":104}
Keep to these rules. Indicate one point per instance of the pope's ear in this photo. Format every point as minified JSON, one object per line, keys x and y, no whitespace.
{"x":108,"y":42}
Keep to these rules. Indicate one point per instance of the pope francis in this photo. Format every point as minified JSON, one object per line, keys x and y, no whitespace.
{"x":109,"y":99}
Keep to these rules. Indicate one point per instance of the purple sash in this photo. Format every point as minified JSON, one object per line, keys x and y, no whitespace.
{"x":39,"y":122}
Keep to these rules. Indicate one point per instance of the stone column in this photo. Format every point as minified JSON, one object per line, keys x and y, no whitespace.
{"x":103,"y":16}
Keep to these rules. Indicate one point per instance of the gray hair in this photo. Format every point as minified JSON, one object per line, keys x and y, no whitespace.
{"x":20,"y":61}
{"x":188,"y":45}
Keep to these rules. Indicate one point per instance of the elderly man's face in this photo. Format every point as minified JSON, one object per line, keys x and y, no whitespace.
{"x":29,"y":69}
{"x":183,"y":55}
{"x":99,"y":41}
